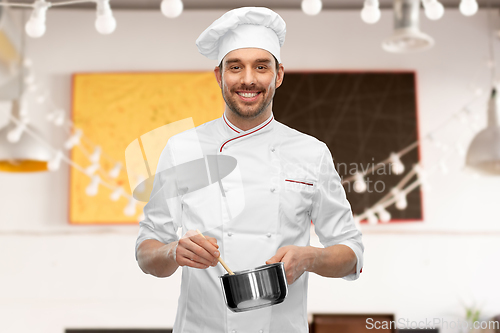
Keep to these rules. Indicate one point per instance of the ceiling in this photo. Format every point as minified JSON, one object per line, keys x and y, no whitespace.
{"x":230,"y":4}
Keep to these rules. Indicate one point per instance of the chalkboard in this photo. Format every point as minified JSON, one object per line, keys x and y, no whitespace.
{"x":362,"y":117}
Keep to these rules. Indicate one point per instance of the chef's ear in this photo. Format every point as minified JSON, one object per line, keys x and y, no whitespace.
{"x":280,"y":75}
{"x":218,"y":75}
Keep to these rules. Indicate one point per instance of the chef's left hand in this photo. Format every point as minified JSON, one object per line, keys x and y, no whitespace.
{"x":296,"y":259}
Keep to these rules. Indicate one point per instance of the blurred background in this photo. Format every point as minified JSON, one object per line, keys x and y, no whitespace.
{"x":68,"y":222}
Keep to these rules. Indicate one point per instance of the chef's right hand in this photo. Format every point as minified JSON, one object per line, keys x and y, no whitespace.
{"x":195,"y":251}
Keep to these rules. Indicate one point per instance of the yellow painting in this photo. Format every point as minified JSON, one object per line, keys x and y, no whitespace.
{"x":115,"y":109}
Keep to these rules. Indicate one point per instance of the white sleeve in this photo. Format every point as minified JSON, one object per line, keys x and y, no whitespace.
{"x":332,"y":215}
{"x":162,"y":213}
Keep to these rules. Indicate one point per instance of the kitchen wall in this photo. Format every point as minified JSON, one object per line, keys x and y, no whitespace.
{"x":55,"y":276}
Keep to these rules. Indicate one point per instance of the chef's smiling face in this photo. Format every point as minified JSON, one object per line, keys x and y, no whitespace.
{"x":248,"y":80}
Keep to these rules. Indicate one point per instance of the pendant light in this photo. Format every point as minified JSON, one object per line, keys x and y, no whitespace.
{"x":483,"y":154}
{"x":407,"y":37}
{"x":20,"y":151}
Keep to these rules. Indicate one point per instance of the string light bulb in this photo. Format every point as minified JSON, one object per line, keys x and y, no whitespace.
{"x":396,"y":165}
{"x":115,"y":172}
{"x":91,"y":169}
{"x":422,"y":177}
{"x":116,"y":194}
{"x":383,"y":214}
{"x":130,"y":208}
{"x":468,"y":7}
{"x":372,"y":218}
{"x":74,"y":139}
{"x":15,"y":134}
{"x":55,"y":163}
{"x":371,"y":12}
{"x":105,"y":23}
{"x":93,"y":187}
{"x":434,"y":10}
{"x":96,"y":155}
{"x":172,"y":8}
{"x":35,"y":27}
{"x":401,"y":202}
{"x":311,"y":7}
{"x":359,"y":183}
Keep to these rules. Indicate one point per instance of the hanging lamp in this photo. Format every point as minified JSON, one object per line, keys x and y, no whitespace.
{"x":483,"y":154}
{"x":26,"y":154}
{"x":407,"y":37}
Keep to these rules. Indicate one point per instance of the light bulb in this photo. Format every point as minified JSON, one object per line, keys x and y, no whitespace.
{"x":90,"y":170}
{"x":434,"y":10}
{"x":443,"y":166}
{"x":172,"y":8}
{"x":422,"y":177}
{"x":460,"y":149}
{"x":27,"y":63}
{"x":311,"y":7}
{"x":74,"y":139}
{"x":96,"y":155}
{"x":35,"y":27}
{"x":468,"y":7}
{"x":113,"y":173}
{"x":359,"y":184}
{"x":130,"y":208}
{"x":40,"y":99}
{"x":370,"y":13}
{"x":59,"y":119}
{"x":105,"y":22}
{"x":400,"y":197}
{"x":372,"y":219}
{"x":29,"y":79}
{"x":396,"y":165}
{"x":116,"y":194}
{"x":383,"y":215}
{"x":93,"y":187}
{"x":401,"y":203}
{"x":55,"y":163}
{"x":15,"y":134}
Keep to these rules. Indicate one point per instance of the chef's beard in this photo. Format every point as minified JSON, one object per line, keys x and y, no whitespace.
{"x":255,"y":110}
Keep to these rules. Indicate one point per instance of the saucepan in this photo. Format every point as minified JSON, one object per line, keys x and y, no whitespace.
{"x":253,"y":288}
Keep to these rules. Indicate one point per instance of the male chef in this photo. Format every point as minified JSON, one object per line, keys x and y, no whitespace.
{"x":261,"y":212}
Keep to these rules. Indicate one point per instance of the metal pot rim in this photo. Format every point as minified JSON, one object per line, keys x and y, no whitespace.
{"x":252,"y":270}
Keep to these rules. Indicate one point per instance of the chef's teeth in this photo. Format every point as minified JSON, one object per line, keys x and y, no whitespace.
{"x":248,"y":94}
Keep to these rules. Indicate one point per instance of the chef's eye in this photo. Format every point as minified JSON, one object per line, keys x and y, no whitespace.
{"x":235,"y":67}
{"x":261,"y":67}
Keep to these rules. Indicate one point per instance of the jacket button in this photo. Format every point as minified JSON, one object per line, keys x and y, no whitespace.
{"x":272,"y":149}
{"x":261,"y":331}
{"x":233,"y":331}
{"x":230,"y":234}
{"x":273,"y":189}
{"x":268,"y":234}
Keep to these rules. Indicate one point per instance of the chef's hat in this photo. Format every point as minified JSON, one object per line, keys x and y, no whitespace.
{"x":247,"y":27}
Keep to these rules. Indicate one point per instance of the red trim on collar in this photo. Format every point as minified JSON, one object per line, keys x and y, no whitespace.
{"x":220,"y":150}
{"x":224,"y":117}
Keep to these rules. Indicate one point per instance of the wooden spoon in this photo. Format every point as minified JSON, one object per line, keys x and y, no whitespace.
{"x":220,"y":259}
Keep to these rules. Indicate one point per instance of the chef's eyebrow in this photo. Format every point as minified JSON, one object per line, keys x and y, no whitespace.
{"x":235,"y":60}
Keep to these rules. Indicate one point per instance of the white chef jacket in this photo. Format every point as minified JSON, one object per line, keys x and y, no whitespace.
{"x":283,"y":180}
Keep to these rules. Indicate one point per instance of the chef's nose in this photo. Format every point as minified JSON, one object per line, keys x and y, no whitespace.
{"x":248,"y":77}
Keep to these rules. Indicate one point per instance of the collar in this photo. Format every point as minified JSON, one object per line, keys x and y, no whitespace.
{"x":237,"y":133}
{"x":234,"y":130}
